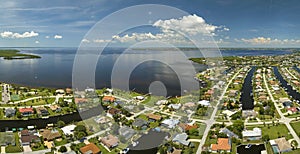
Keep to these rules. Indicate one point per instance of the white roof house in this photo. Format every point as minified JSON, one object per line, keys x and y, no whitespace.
{"x":68,"y":130}
{"x":174,"y":106}
{"x":170,"y":123}
{"x":204,"y":103}
{"x":256,"y":132}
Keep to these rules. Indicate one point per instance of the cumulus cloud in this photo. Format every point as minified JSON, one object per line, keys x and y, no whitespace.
{"x":172,"y":30}
{"x":12,"y":35}
{"x":85,"y":41}
{"x":268,"y":41}
{"x":37,"y":42}
{"x":58,"y":37}
{"x":47,"y":37}
{"x":101,"y":41}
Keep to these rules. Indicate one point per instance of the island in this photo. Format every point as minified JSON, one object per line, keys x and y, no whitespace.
{"x":10,"y":54}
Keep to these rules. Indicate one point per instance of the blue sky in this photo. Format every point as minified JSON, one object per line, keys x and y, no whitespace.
{"x":232,"y":23}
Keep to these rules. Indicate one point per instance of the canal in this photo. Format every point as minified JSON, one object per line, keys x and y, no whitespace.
{"x":42,"y":123}
{"x":247,"y":96}
{"x":287,"y":87}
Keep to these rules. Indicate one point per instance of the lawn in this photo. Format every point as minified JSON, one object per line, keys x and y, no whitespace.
{"x":14,"y":149}
{"x":296,"y":126}
{"x":274,"y":132}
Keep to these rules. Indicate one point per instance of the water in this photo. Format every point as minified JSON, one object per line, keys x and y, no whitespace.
{"x":288,"y":88}
{"x":254,"y":149}
{"x":246,"y":96}
{"x":54,"y":69}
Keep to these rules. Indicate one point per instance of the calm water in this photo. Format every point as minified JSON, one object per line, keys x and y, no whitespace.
{"x":54,"y":69}
{"x":254,"y":149}
{"x":246,"y":96}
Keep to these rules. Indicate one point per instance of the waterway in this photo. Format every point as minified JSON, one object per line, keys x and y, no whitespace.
{"x":247,"y":95}
{"x":287,"y":87}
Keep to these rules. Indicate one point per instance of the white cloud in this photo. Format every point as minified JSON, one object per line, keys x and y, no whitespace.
{"x":47,"y":37}
{"x":9,"y":34}
{"x":85,"y":41}
{"x":58,"y":37}
{"x":37,"y":42}
{"x":101,"y":41}
{"x":268,"y":41}
{"x":172,"y":30}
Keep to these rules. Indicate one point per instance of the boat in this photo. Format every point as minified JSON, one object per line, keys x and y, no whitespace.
{"x":248,"y":146}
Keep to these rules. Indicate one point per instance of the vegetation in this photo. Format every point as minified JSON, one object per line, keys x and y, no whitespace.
{"x":15,"y":54}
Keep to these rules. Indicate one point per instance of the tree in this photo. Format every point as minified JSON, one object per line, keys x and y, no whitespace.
{"x":19,"y":115}
{"x":266,"y":138}
{"x":294,"y":144}
{"x":62,"y":149}
{"x":60,"y":124}
{"x":80,"y":128}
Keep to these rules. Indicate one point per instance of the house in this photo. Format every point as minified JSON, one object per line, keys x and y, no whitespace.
{"x":293,"y":109}
{"x":60,"y":91}
{"x":161,"y":102}
{"x":232,"y":93}
{"x":41,"y":111}
{"x":187,"y":127}
{"x":229,"y":133}
{"x":182,"y":139}
{"x":204,"y":103}
{"x":280,"y":145}
{"x":28,"y":137}
{"x":68,"y":130}
{"x":153,"y":117}
{"x":170,"y":123}
{"x":140,"y":123}
{"x":254,"y":134}
{"x":26,"y":111}
{"x":108,"y":99}
{"x":50,"y":135}
{"x":69,"y":91}
{"x":188,"y":105}
{"x":55,"y":108}
{"x":113,"y":111}
{"x":79,"y":101}
{"x":102,"y":120}
{"x":174,"y":106}
{"x":140,"y":98}
{"x":262,"y":98}
{"x":174,"y":151}
{"x":126,"y":132}
{"x":90,"y":149}
{"x":284,"y":100}
{"x":223,"y":145}
{"x":10,"y":112}
{"x":110,"y":141}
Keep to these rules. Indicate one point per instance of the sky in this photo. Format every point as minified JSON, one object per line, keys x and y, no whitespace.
{"x":230,"y":23}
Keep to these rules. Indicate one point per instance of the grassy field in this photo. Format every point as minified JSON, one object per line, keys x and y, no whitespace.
{"x":273,"y":131}
{"x":296,"y":126}
{"x":15,"y":54}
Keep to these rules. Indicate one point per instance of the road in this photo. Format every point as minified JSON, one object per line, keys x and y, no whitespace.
{"x":211,"y":121}
{"x":291,"y":73}
{"x":283,"y":119}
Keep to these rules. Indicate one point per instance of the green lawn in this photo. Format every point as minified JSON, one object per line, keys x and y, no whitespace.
{"x":296,"y":126}
{"x":273,"y":131}
{"x":14,"y":149}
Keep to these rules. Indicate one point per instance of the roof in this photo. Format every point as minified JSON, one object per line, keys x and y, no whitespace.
{"x":22,"y":110}
{"x":251,"y":133}
{"x":293,"y":109}
{"x":283,"y":144}
{"x":222,"y":144}
{"x":204,"y":102}
{"x":154,"y":116}
{"x":80,"y":100}
{"x":181,"y":138}
{"x":29,"y":138}
{"x":228,"y":133}
{"x":186,"y":127}
{"x":171,"y":123}
{"x":114,"y":111}
{"x":68,"y":130}
{"x":174,"y":106}
{"x":108,"y":99}
{"x":126,"y":132}
{"x":139,"y":122}
{"x":110,"y":140}
{"x":50,"y":134}
{"x":90,"y":149}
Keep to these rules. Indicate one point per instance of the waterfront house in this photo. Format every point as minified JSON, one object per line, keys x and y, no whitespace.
{"x":50,"y":135}
{"x":42,"y":111}
{"x":232,"y":93}
{"x":55,"y":108}
{"x":79,"y":101}
{"x":188,"y":105}
{"x":113,"y":111}
{"x":285,"y":101}
{"x":140,"y":123}
{"x":60,"y":91}
{"x":181,"y":139}
{"x":173,"y":150}
{"x":292,"y":109}
{"x":223,"y":145}
{"x":161,"y":102}
{"x":69,"y":91}
{"x":108,"y":99}
{"x":153,"y":117}
{"x":140,"y":98}
{"x":170,"y":123}
{"x":174,"y":106}
{"x":10,"y":112}
{"x":280,"y":145}
{"x":28,"y":137}
{"x":254,"y":134}
{"x":126,"y":132}
{"x":90,"y":149}
{"x":68,"y":130}
{"x":26,"y":111}
{"x":110,"y":141}
{"x":204,"y":103}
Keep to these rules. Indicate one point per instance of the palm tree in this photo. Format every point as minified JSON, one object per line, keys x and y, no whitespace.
{"x":294,"y":144}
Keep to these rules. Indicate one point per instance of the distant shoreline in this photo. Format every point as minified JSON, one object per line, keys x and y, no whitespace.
{"x":8,"y":54}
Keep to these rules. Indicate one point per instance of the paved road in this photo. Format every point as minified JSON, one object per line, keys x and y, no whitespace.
{"x":283,"y":119}
{"x":211,"y":121}
{"x":291,"y":73}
